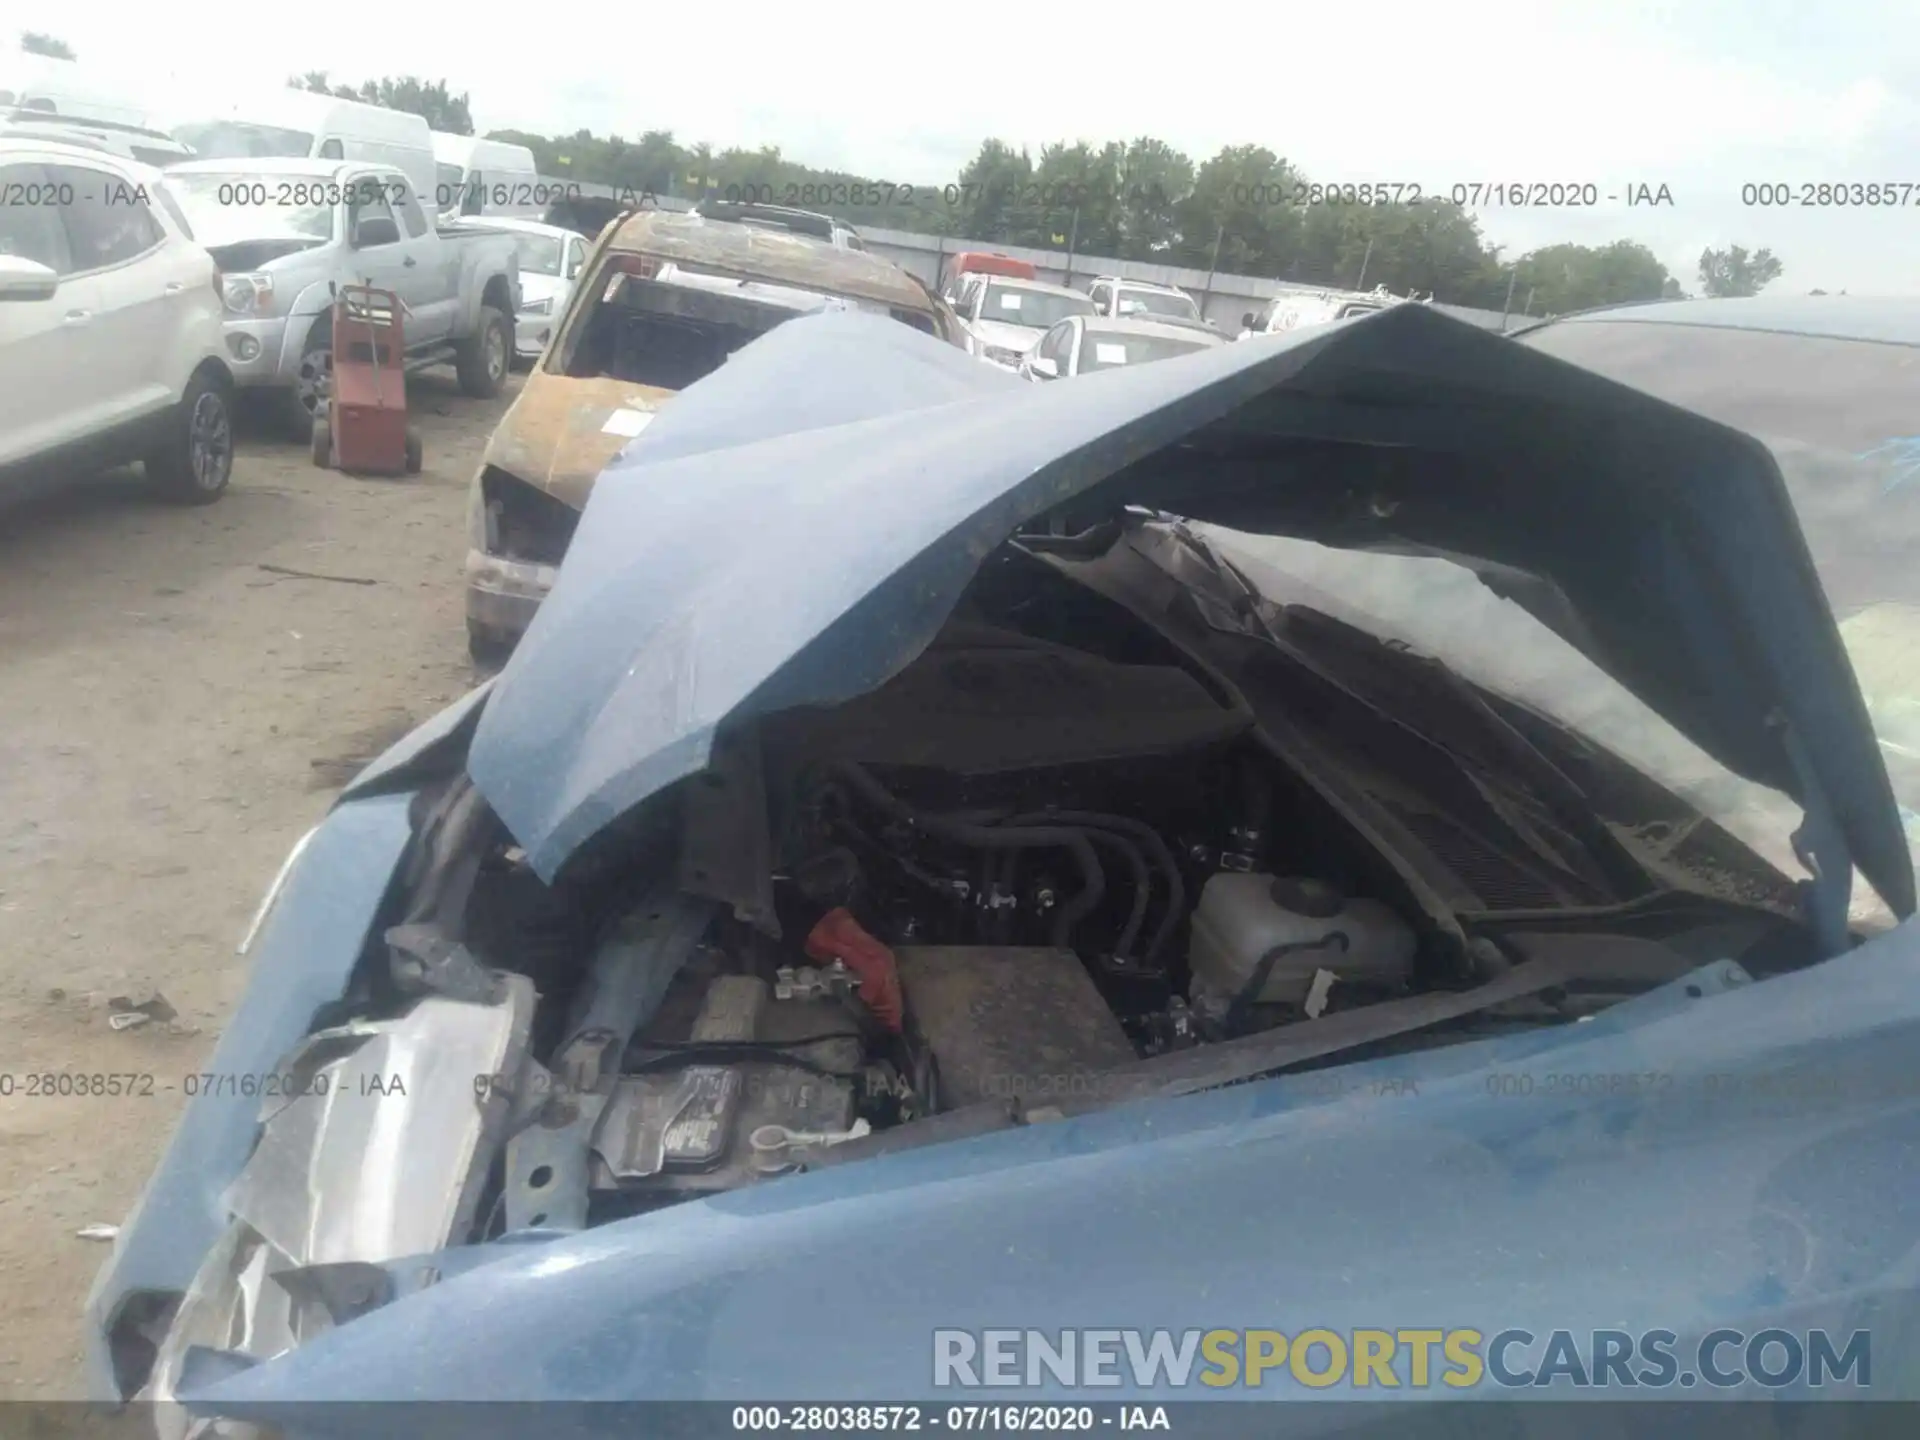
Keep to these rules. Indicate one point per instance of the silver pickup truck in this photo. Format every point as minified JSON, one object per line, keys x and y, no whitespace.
{"x":286,"y":232}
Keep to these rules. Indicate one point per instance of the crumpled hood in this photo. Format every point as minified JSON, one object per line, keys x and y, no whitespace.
{"x":810,"y":529}
{"x":556,"y":434}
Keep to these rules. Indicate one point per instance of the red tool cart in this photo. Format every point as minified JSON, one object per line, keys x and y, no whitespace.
{"x":363,"y":428}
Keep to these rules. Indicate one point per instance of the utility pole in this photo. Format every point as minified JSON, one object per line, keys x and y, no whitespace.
{"x":1513,"y":278}
{"x":1361,"y":283}
{"x":1213,"y":266}
{"x":1073,"y":239}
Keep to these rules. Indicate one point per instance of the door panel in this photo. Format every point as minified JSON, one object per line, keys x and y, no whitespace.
{"x":49,"y":393}
{"x":426,"y":284}
{"x":117,"y":244}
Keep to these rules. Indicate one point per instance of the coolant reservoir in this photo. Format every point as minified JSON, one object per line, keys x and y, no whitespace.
{"x":1305,"y":925}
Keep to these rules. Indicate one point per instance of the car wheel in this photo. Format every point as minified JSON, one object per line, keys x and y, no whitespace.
{"x":322,"y":443}
{"x":312,"y":384}
{"x":415,"y":452}
{"x":195,"y":463}
{"x":483,"y":356}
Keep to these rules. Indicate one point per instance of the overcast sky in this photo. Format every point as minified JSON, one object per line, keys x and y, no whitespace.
{"x":1700,"y":96}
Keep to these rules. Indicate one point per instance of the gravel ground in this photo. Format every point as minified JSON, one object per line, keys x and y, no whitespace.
{"x":175,"y":717}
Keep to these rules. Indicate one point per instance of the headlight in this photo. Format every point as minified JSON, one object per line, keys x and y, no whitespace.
{"x":247,"y":294}
{"x":1000,"y":355}
{"x":538,"y":307}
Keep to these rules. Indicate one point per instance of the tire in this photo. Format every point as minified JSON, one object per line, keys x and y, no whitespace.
{"x":195,"y":462}
{"x":415,"y":455}
{"x":484,"y":355}
{"x":312,"y":385}
{"x":487,"y":651}
{"x":322,"y":442}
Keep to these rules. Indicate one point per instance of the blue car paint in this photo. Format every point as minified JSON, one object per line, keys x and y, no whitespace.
{"x":306,"y":949}
{"x":1764,"y":1173}
{"x":1902,"y":454}
{"x":442,"y":731}
{"x":1549,"y":1212}
{"x":793,"y":562}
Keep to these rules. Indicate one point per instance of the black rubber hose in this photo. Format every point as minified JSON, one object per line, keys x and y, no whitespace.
{"x":1150,"y":839}
{"x":987,"y":837}
{"x":1142,"y":883}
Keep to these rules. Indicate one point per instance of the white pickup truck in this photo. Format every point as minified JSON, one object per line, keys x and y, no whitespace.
{"x":286,"y":232}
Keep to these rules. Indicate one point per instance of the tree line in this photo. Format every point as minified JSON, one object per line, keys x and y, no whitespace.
{"x":1245,"y":210}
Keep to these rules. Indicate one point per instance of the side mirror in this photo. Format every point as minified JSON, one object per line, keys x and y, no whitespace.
{"x":1249,"y":320}
{"x":375,"y":230}
{"x":1043,"y":367}
{"x":22,"y":279}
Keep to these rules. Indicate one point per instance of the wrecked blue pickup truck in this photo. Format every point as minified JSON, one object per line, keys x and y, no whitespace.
{"x":953,"y":853}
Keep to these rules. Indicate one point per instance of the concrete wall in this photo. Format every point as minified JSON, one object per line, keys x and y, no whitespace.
{"x":1223,"y":298}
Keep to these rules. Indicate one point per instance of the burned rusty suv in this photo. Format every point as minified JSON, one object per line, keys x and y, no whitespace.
{"x":667,"y":298}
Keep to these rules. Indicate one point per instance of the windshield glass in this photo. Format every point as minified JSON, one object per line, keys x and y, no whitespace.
{"x":539,"y":254}
{"x":1100,"y":351}
{"x":228,"y":205}
{"x":1157,"y":302}
{"x":1837,"y":415}
{"x":237,"y":140}
{"x":1034,"y":309}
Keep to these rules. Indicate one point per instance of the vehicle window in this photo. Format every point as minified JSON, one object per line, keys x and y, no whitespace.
{"x":1840,"y":418}
{"x":32,"y":231}
{"x":446,"y":184}
{"x":575,"y":257}
{"x":411,"y":215}
{"x":172,"y":207}
{"x":1158,"y":302}
{"x":105,"y":226}
{"x":236,"y":140}
{"x":539,"y":254}
{"x":1100,"y":298}
{"x":1105,"y":350}
{"x":371,"y":205}
{"x":147,"y":155}
{"x":667,"y":335}
{"x":333,"y":150}
{"x":217,"y":204}
{"x":1034,"y":309}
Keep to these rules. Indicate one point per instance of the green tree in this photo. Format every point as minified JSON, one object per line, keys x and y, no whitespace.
{"x":1579,"y":277}
{"x":1733,"y":271}
{"x":1154,"y":180}
{"x":1242,"y":197}
{"x":34,"y":43}
{"x":992,"y":186}
{"x":432,"y":100}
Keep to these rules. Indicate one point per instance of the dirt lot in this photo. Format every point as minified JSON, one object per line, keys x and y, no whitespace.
{"x":172,"y":717}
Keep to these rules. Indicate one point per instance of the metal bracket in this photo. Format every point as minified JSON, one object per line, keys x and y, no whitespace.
{"x":548,"y":1163}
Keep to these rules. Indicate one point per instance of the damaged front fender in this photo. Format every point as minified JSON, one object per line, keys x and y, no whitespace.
{"x":308,"y":945}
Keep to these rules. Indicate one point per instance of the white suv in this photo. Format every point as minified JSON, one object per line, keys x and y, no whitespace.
{"x":110,"y":327}
{"x":1121,"y":299}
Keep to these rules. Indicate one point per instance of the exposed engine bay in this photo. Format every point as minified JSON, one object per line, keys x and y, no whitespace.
{"x":1002,"y":888}
{"x":1062,"y":860}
